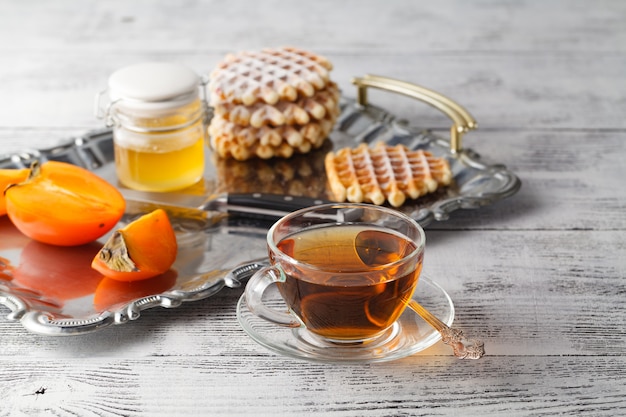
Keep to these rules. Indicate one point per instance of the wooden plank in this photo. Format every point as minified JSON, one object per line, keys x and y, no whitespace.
{"x":166,"y":386}
{"x":535,"y":293}
{"x":50,"y":92}
{"x":357,"y":27}
{"x":570,"y":180}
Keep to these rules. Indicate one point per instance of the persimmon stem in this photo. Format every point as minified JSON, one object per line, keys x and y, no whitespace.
{"x":35,"y":170}
{"x":115,"y":254}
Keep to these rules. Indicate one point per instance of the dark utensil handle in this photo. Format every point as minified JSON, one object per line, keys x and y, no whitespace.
{"x":268,"y":205}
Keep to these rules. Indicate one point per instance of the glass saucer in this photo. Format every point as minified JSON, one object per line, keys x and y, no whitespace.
{"x":409,"y":335}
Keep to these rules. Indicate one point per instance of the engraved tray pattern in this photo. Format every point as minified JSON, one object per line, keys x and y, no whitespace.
{"x":216,"y":252}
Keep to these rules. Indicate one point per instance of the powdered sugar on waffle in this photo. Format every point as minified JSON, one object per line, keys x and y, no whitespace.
{"x":384,"y":173}
{"x":268,"y":75}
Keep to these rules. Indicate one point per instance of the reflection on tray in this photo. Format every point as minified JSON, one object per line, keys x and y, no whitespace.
{"x":54,"y":291}
{"x":56,"y":279}
{"x":300,"y":175}
{"x":111,"y":294}
{"x":57,"y":273}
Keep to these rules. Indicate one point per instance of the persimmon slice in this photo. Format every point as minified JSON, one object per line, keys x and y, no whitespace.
{"x":63,"y":204}
{"x":9,"y":177}
{"x":143,"y":249}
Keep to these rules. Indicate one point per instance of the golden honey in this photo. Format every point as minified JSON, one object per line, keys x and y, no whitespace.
{"x":162,"y":163}
{"x":158,"y":126}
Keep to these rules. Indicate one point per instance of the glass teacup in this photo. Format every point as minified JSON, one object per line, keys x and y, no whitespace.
{"x":345,"y":271}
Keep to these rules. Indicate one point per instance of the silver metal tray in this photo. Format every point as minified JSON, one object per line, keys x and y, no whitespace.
{"x":215,"y":249}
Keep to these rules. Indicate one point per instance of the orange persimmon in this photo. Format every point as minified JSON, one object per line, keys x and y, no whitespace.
{"x":142,"y":249}
{"x":63,"y":204}
{"x":111,"y":292}
{"x":9,"y":177}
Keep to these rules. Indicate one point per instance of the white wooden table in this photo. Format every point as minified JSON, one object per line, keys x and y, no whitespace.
{"x":541,"y":276}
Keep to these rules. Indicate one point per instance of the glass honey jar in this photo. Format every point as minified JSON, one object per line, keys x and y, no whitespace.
{"x":157,"y":113}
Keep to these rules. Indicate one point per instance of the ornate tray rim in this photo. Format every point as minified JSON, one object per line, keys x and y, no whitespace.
{"x":38,"y":321}
{"x":84,"y":151}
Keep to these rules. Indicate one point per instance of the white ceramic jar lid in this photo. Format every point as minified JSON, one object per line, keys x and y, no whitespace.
{"x":153,"y":85}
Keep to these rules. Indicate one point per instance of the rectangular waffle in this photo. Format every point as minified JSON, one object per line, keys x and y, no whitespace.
{"x":384,"y":173}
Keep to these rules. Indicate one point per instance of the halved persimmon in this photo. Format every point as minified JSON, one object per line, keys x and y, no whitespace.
{"x":9,"y":177}
{"x":64,"y":204}
{"x":142,"y":249}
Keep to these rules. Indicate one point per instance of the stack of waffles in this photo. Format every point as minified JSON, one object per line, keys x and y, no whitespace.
{"x":271,"y":103}
{"x":384,"y":173}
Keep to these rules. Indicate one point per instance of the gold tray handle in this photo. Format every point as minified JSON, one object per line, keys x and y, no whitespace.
{"x":462,"y":121}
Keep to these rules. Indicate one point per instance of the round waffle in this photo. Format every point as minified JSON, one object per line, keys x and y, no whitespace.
{"x":239,"y":142}
{"x":384,"y":173}
{"x":268,"y":76}
{"x":301,"y":111}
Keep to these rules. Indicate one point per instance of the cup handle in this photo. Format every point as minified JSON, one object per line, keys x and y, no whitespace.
{"x":256,"y":287}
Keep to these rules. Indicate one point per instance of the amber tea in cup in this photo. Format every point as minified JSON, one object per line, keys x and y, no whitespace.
{"x":345,"y":271}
